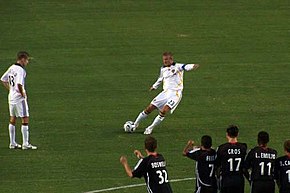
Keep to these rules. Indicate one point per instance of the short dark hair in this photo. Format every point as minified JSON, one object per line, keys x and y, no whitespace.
{"x":263,"y":138}
{"x":287,"y":146}
{"x":233,"y":131}
{"x":22,"y":54}
{"x":150,"y":144}
{"x":167,"y":54}
{"x":206,"y":141}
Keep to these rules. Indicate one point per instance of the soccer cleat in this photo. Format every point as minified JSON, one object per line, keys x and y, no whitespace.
{"x":14,"y":146}
{"x":148,"y":131}
{"x":29,"y":146}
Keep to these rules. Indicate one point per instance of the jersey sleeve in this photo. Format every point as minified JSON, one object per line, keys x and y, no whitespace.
{"x":185,"y":67}
{"x":140,"y":168}
{"x":4,"y":77}
{"x":19,"y":79}
{"x":193,"y":154}
{"x":159,"y":80}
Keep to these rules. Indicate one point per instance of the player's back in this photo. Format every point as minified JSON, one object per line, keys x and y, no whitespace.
{"x":230,"y":159}
{"x":205,"y":168}
{"x":261,"y":161}
{"x":157,"y":177}
{"x":14,"y":75}
{"x":282,"y":173}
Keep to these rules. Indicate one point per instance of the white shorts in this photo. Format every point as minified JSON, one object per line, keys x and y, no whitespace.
{"x":19,"y":110}
{"x":170,"y":98}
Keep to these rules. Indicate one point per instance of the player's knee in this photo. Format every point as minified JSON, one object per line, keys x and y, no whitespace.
{"x":12,"y":122}
{"x":162,"y":113}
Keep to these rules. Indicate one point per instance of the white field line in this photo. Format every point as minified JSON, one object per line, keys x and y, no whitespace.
{"x":134,"y":185}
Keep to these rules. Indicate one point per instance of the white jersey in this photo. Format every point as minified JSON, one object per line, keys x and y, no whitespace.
{"x":15,"y":75}
{"x":172,"y":76}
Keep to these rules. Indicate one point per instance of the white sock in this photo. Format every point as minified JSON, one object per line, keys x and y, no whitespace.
{"x":25,"y":134}
{"x":158,"y":119}
{"x":140,"y":117}
{"x":11,"y":129}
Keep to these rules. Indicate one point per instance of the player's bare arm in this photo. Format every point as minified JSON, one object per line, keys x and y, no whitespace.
{"x":6,"y":84}
{"x":138,"y":154}
{"x":20,"y":88}
{"x":188,"y":147}
{"x":124,"y":162}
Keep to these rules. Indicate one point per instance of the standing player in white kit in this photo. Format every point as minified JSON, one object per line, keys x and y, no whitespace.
{"x":14,"y":80}
{"x":171,"y":74}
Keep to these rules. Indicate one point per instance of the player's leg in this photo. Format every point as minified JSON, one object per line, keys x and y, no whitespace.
{"x":157,"y":102}
{"x":144,"y":114}
{"x":172,"y":99}
{"x":158,"y":119}
{"x":22,"y":108}
{"x":11,"y":127}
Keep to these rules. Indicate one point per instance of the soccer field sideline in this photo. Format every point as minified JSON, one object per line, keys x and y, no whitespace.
{"x":135,"y":185}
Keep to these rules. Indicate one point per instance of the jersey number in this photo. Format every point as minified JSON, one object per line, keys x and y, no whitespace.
{"x":162,"y":174}
{"x":171,"y":102}
{"x":288,"y":172}
{"x":212,"y":168}
{"x":262,"y":164}
{"x":11,"y":80}
{"x":232,"y":160}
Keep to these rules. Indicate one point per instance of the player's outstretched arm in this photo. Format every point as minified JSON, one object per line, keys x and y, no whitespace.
{"x":124,"y":162}
{"x":188,"y":147}
{"x":189,"y":67}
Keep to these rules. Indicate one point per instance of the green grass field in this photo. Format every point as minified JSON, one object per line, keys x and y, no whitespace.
{"x":94,"y":62}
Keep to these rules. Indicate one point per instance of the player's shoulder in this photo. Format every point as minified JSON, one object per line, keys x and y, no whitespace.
{"x":283,"y":158}
{"x":271,"y":150}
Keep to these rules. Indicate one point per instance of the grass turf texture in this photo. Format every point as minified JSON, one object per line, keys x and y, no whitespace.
{"x":94,"y":61}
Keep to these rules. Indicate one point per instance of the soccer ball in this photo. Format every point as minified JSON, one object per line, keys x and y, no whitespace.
{"x":129,"y":126}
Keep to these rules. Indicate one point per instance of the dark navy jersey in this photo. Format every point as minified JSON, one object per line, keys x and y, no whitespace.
{"x":153,"y":169}
{"x":261,"y":161}
{"x":282,"y":173}
{"x":230,"y":159}
{"x":205,"y":166}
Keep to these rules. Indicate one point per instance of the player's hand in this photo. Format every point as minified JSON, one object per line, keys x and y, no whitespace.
{"x":138,"y":154}
{"x":123,"y":160}
{"x":151,"y":88}
{"x":190,"y":143}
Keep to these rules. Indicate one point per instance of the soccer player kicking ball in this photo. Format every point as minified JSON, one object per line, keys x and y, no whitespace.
{"x":152,"y":168}
{"x":171,"y":74}
{"x":282,"y":170}
{"x":261,"y":161}
{"x":205,"y":164}
{"x":14,"y":80}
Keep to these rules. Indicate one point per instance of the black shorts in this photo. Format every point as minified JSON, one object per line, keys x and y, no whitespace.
{"x":233,"y":184}
{"x":233,"y":189}
{"x":263,"y":186}
{"x":206,"y":189}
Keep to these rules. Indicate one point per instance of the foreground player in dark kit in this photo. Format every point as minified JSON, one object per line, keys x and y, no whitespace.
{"x":152,"y":168}
{"x":282,"y":170}
{"x":261,"y":161}
{"x":205,"y":164}
{"x":230,"y":161}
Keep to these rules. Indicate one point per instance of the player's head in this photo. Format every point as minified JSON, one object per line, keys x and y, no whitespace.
{"x":167,"y":58}
{"x":150,"y":144}
{"x":287,"y":146}
{"x":23,"y":58}
{"x":206,"y":141}
{"x":263,"y":138}
{"x":232,"y":131}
